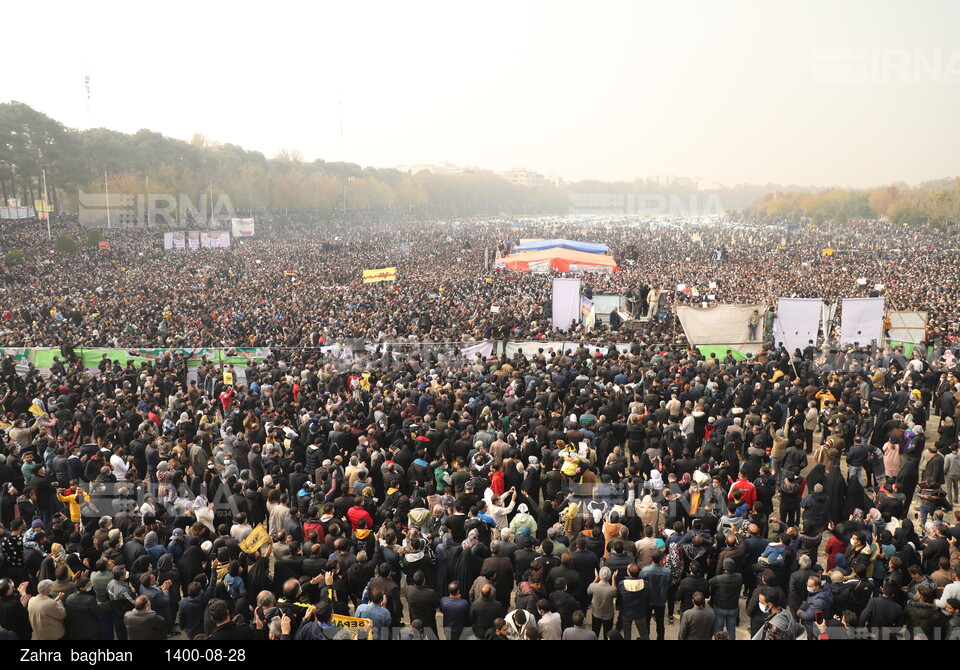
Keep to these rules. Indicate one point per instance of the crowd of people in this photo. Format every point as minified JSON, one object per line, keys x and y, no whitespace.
{"x":416,"y":492}
{"x":138,"y":295}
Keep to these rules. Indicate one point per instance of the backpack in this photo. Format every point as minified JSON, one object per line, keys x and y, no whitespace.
{"x":674,"y":561}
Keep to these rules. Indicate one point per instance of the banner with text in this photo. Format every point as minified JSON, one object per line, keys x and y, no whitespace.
{"x":243,"y":227}
{"x":379,"y":274}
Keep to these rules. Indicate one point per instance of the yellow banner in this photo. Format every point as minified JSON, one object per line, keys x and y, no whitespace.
{"x":254,"y":540}
{"x":350,"y":623}
{"x":380,"y":274}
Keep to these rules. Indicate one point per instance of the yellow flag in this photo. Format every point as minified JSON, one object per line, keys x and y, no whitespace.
{"x":36,"y":409}
{"x":379,"y":274}
{"x":352,"y":624}
{"x":254,"y":540}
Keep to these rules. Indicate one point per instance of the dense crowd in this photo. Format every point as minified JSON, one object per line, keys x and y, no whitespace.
{"x":577,"y":494}
{"x":138,"y":295}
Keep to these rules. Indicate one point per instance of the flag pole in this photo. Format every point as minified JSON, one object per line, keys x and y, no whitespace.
{"x":106,"y":190}
{"x":46,"y":204}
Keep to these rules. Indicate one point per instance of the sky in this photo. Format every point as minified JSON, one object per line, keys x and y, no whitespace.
{"x":817,"y":93}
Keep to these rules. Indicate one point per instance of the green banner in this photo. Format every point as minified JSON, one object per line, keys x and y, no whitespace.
{"x":720,"y":351}
{"x":19,"y":354}
{"x":43,"y":358}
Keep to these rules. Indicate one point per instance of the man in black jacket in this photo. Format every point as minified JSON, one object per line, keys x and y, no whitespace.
{"x":225,"y":628}
{"x":882,"y":613}
{"x":563,"y":603}
{"x":13,"y":613}
{"x":194,"y":605}
{"x":484,"y":611}
{"x":937,"y":548}
{"x":725,"y":598}
{"x":423,"y":601}
{"x":856,"y":459}
{"x":692,"y":583}
{"x":134,"y":548}
{"x":143,"y":623}
{"x":83,"y":612}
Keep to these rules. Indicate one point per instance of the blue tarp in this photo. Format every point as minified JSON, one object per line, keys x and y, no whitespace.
{"x":586,"y":247}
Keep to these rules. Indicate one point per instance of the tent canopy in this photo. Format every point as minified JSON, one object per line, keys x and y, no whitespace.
{"x":559,"y":260}
{"x":573,"y":245}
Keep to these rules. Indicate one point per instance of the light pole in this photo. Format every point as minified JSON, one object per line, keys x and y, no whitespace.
{"x":349,"y":179}
{"x":46,"y":202}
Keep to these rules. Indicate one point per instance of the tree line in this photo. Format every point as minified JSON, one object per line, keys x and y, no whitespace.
{"x":32,"y":143}
{"x":148,"y":162}
{"x":935,"y":203}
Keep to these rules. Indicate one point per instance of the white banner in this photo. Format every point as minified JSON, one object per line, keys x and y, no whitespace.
{"x":484,"y":349}
{"x":726,"y":325}
{"x":243,"y":227}
{"x":908,"y":326}
{"x":828,"y":312}
{"x":531,"y":347}
{"x":862,"y":321}
{"x":798,"y":321}
{"x":566,"y":302}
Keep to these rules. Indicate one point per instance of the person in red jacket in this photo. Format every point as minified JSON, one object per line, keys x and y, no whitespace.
{"x":748,"y":492}
{"x":496,"y":479}
{"x":357,"y":512}
{"x":226,"y":398}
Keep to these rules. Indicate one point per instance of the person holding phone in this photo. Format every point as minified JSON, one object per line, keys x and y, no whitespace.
{"x":817,"y":606}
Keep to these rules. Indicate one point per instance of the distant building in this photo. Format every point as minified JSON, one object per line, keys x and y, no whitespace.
{"x":442,"y":168}
{"x":525,"y":177}
{"x":518,"y":176}
{"x":706,"y":184}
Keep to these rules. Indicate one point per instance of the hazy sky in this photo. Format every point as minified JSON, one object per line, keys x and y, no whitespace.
{"x":847,"y":93}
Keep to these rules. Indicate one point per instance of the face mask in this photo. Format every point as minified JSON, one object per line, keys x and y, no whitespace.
{"x":765,"y":608}
{"x":810,"y":589}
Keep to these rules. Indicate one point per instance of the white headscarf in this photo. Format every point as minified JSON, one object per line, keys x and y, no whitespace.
{"x":656,"y":481}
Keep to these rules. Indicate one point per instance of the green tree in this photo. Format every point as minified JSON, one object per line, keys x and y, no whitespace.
{"x":94,"y":237}
{"x":13,"y":257}
{"x":67,"y":245}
